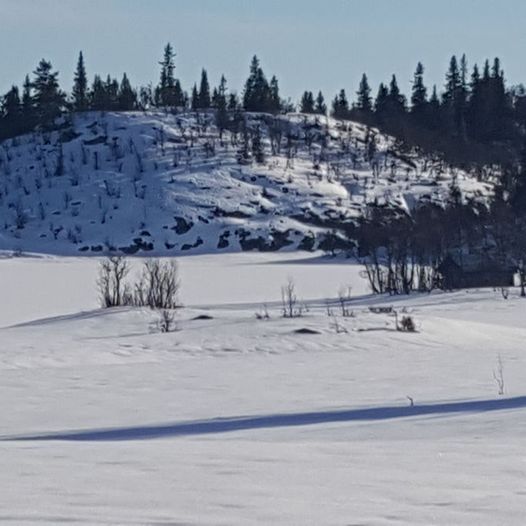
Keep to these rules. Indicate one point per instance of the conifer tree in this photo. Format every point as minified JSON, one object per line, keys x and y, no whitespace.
{"x":419,"y":93}
{"x":257,"y":93}
{"x":204,"y":91}
{"x":320,"y":107}
{"x":307,"y":102}
{"x":233,"y":102}
{"x":395,"y":107}
{"x":145,"y":98}
{"x":48,"y":98}
{"x":111,"y":88}
{"x":364,"y":96}
{"x":340,"y":106}
{"x":80,"y":86}
{"x":381,"y":104}
{"x":195,"y":98}
{"x":127,"y":97}
{"x":165,"y":93}
{"x":179,"y":97}
{"x":453,"y":82}
{"x":221,"y":106}
{"x":274,"y":102}
{"x":98,"y":94}
{"x":10,"y":112}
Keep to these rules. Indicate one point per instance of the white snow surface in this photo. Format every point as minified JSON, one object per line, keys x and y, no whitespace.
{"x":166,"y":184}
{"x":232,"y":420}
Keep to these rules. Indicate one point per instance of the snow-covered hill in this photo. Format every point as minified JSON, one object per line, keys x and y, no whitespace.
{"x":167,"y":184}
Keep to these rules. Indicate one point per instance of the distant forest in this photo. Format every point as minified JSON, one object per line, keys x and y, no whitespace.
{"x":474,"y":121}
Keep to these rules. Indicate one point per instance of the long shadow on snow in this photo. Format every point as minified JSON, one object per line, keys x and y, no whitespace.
{"x":229,"y":424}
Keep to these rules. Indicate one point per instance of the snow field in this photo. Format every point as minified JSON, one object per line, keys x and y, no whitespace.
{"x":234,"y":420}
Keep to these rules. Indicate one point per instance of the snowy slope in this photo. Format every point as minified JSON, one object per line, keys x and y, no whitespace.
{"x":233,"y":420}
{"x":166,"y":184}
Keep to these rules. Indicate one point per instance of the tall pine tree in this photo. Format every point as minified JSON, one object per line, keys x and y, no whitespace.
{"x":320,"y":107}
{"x":364,"y":103}
{"x":80,"y":86}
{"x":48,"y":98}
{"x":419,"y":94}
{"x":165,"y":93}
{"x":307,"y":102}
{"x":204,"y":91}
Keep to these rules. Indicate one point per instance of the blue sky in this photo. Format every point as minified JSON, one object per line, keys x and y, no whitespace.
{"x":322,"y":44}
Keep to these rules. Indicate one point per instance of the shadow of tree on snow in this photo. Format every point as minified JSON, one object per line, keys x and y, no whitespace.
{"x":240,"y":423}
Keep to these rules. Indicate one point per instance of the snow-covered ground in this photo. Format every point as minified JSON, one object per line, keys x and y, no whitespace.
{"x":235,"y":420}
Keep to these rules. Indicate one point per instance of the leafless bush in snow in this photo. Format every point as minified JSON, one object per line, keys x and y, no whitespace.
{"x":166,"y":321}
{"x":337,"y":326}
{"x":111,"y":281}
{"x":289,"y":301}
{"x":406,"y":324}
{"x":263,"y":313}
{"x":158,"y":286}
{"x":344,"y":296}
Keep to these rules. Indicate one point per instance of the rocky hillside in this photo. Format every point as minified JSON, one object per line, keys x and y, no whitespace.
{"x":169,"y":184}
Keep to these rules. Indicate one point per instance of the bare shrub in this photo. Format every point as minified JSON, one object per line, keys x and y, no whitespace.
{"x":111,"y":281}
{"x":263,"y":313}
{"x":337,"y":326}
{"x":406,"y":324}
{"x":166,"y":321}
{"x":289,"y":301}
{"x":158,"y":286}
{"x":21,"y":218}
{"x":344,"y":296}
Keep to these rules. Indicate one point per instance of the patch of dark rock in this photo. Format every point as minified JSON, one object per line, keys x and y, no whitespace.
{"x":188,"y":246}
{"x":203,"y":317}
{"x":306,"y":330}
{"x":276,"y":241}
{"x":68,"y":135}
{"x":307,"y":243}
{"x":97,"y":140}
{"x":223,"y":239}
{"x":143,"y":245}
{"x":219,"y":212}
{"x":182,"y":226}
